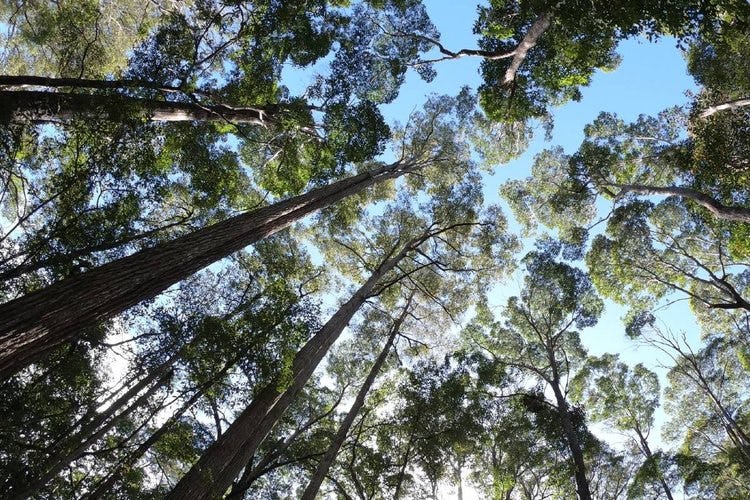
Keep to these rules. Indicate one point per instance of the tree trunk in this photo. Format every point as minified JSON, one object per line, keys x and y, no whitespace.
{"x":325,"y":463}
{"x":582,"y":483}
{"x":737,"y":103}
{"x":718,"y":209}
{"x":24,"y":81}
{"x":32,"y":325}
{"x":647,"y":452}
{"x":214,"y":472}
{"x":536,"y":30}
{"x":30,"y":106}
{"x":402,"y":469}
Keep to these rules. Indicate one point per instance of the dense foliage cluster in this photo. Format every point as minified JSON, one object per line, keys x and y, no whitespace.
{"x":214,"y":284}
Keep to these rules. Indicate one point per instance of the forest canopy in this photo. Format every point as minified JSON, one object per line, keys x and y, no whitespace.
{"x":240,"y":258}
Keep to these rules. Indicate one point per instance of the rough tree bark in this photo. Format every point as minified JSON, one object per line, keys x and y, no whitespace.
{"x":32,"y":325}
{"x":214,"y":472}
{"x":321,"y":471}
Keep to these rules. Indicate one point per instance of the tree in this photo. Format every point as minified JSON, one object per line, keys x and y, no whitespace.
{"x":330,"y":455}
{"x":204,"y":348}
{"x":626,"y":399}
{"x":537,"y":340}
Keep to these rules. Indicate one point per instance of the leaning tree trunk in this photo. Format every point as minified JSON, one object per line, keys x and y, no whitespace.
{"x":579,"y":464}
{"x":338,"y":440}
{"x":31,"y":106}
{"x":32,"y":325}
{"x":214,"y":472}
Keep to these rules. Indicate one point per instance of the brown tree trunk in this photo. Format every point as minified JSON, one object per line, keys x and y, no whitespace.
{"x":32,"y":325}
{"x":579,"y":464}
{"x":30,"y":106}
{"x":214,"y":472}
{"x":325,"y":463}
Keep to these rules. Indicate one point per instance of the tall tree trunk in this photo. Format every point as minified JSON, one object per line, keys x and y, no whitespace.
{"x":214,"y":472}
{"x":325,"y":463}
{"x":579,"y":464}
{"x":32,"y":106}
{"x":32,"y":325}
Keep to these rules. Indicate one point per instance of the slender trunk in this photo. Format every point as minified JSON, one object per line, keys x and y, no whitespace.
{"x":647,"y":452}
{"x":718,"y":209}
{"x":32,"y":325}
{"x":737,"y":103}
{"x":325,"y":463}
{"x":402,"y":470}
{"x":65,"y":458}
{"x":31,"y":106}
{"x":214,"y":472}
{"x":582,"y":483}
{"x":115,"y":475}
{"x":460,"y":484}
{"x":131,"y":459}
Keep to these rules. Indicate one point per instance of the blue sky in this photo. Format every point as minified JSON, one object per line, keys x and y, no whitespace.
{"x":650,"y":78}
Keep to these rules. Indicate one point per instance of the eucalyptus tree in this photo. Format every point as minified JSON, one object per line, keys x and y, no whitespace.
{"x":538,"y":340}
{"x":452,"y":239}
{"x":38,"y":321}
{"x":707,"y":400}
{"x":624,"y":399}
{"x":241,"y":324}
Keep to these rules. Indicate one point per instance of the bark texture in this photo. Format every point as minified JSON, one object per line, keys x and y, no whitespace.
{"x":32,"y":325}
{"x":222,"y":462}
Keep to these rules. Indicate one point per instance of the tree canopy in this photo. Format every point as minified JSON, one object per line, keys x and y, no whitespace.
{"x":239,"y":258}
